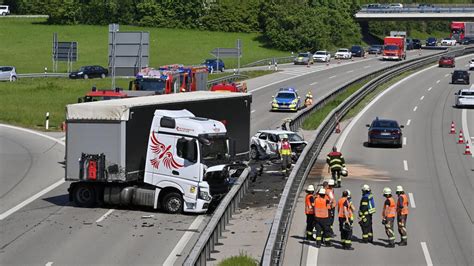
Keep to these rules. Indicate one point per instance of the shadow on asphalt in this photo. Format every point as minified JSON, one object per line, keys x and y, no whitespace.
{"x":60,"y":200}
{"x":366,"y":145}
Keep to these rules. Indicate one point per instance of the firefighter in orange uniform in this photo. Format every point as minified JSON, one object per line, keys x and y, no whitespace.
{"x":388,"y":216}
{"x":345,"y":220}
{"x":329,"y":186}
{"x":309,"y":211}
{"x":321,"y":218}
{"x":402,"y":214}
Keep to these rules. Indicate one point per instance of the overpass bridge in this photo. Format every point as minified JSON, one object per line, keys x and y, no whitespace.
{"x":416,"y":13}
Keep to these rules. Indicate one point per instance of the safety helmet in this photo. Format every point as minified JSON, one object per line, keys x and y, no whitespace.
{"x":331,"y":182}
{"x":322,"y":191}
{"x":348,"y":193}
{"x":334,"y":148}
{"x":387,"y":191}
{"x":399,"y":189}
{"x":365,"y":187}
{"x":310,"y":188}
{"x":344,"y":172}
{"x":285,"y":136}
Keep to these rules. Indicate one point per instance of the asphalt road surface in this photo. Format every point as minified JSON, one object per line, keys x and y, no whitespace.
{"x":431,"y":166}
{"x":50,"y":230}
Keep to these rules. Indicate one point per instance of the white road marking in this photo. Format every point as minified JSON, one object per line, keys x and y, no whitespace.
{"x":446,"y":75}
{"x":404,"y":141}
{"x":104,"y":216}
{"x":427,"y":254}
{"x":312,"y":259}
{"x":430,"y":88}
{"x":412,"y":200}
{"x":438,"y":81}
{"x":34,"y":133}
{"x":49,"y":263}
{"x":31,"y":199}
{"x":331,"y":77}
{"x":408,"y":122}
{"x":366,"y":66}
{"x":291,"y":74}
{"x":347,"y":130}
{"x":405,"y":165}
{"x":383,"y":62}
{"x":350,"y":71}
{"x":253,"y":111}
{"x":183,"y":241}
{"x":422,"y":97}
{"x":314,"y":83}
{"x":414,"y":109}
{"x":465,"y":128}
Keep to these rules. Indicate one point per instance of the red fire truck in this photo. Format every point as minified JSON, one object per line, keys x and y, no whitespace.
{"x":460,"y":30}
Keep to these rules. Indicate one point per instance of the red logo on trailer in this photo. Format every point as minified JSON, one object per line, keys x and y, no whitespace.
{"x":163,"y":154}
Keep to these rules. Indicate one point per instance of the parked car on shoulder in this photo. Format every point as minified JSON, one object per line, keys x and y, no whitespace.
{"x":465,"y":97}
{"x":87,"y":72}
{"x":416,"y":44}
{"x":8,"y":73}
{"x":304,"y":59}
{"x":460,"y":77}
{"x":471,"y":64}
{"x":409,"y":44}
{"x":357,"y":50}
{"x":322,"y":56}
{"x":343,"y":53}
{"x":264,"y":144}
{"x":214,"y":65}
{"x":384,"y":131}
{"x":4,"y":10}
{"x":431,"y":41}
{"x":375,"y":49}
{"x":448,"y":42}
{"x":446,"y":61}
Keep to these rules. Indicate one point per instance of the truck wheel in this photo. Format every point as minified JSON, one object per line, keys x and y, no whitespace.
{"x":253,"y":153}
{"x":84,"y":195}
{"x":173,"y":202}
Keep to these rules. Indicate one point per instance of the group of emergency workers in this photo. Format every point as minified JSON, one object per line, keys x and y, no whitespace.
{"x":320,"y":210}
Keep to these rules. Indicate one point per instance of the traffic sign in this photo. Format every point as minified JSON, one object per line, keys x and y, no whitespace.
{"x":226,"y":52}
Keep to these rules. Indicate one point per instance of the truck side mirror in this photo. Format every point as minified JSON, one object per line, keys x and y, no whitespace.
{"x":190,"y":153}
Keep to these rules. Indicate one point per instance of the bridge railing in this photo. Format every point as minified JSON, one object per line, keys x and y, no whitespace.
{"x":464,"y":9}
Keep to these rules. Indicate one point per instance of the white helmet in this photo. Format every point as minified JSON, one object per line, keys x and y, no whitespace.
{"x":322,"y":191}
{"x":284,"y":136}
{"x":348,"y":193}
{"x":310,"y":188}
{"x":365,"y":187}
{"x":387,"y":191}
{"x":331,"y":182}
{"x":344,"y":172}
{"x":399,"y":189}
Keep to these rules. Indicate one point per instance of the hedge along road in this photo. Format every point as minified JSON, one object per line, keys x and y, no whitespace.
{"x":432,"y":168}
{"x":36,"y":229}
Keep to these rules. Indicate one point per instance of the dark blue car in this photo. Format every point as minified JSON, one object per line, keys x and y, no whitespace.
{"x":431,"y":41}
{"x":214,"y":65}
{"x":286,"y":99}
{"x":384,"y":131}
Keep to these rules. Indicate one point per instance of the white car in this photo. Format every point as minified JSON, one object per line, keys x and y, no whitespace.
{"x":343,"y":53}
{"x":471,"y":64}
{"x":4,"y":10}
{"x":264,"y":144}
{"x":448,"y":42}
{"x":322,"y":56}
{"x":7,"y":73}
{"x":464,"y":97}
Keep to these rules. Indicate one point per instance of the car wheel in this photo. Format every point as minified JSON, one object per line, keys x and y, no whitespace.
{"x":84,"y":195}
{"x":173,"y":203}
{"x":86,"y":76}
{"x":102,"y":76}
{"x":222,"y":69}
{"x":13,"y":79}
{"x":253,"y":153}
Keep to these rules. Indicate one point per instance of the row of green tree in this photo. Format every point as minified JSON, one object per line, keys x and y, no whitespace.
{"x":287,"y":25}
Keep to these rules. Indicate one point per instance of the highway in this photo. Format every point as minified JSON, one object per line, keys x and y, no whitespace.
{"x":49,"y":229}
{"x":431,"y":166}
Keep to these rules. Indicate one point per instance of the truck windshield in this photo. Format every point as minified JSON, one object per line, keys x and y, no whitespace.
{"x":157,"y":85}
{"x":215,"y":150}
{"x":391,"y":47}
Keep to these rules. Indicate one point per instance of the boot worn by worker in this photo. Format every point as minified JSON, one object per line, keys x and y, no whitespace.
{"x":403,"y":242}
{"x":318,"y":243}
{"x":391,"y":244}
{"x":348,"y":247}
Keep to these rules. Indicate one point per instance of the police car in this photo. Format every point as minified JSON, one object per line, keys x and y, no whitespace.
{"x":286,"y":99}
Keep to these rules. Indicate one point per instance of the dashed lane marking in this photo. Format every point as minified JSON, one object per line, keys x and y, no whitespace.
{"x":446,"y":75}
{"x":404,"y":141}
{"x":49,"y":263}
{"x":350,"y":71}
{"x":314,"y":83}
{"x":412,"y":200}
{"x":253,"y":111}
{"x":422,"y":97}
{"x":408,"y":122}
{"x":430,"y":88}
{"x":427,"y":254}
{"x":414,"y":109}
{"x":331,"y":77}
{"x":104,"y":216}
{"x":405,"y":165}
{"x":438,"y":81}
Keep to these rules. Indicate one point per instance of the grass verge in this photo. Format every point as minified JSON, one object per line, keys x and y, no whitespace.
{"x":241,"y":260}
{"x":26,"y":101}
{"x":27,"y":43}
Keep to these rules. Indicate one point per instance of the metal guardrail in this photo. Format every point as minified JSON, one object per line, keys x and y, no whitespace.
{"x":275,"y":247}
{"x":271,"y":61}
{"x":229,"y":78}
{"x":418,"y":10}
{"x":201,"y":251}
{"x":43,"y":75}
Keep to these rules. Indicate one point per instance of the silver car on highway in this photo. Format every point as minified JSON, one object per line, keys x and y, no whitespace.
{"x":8,"y":73}
{"x":464,"y":97}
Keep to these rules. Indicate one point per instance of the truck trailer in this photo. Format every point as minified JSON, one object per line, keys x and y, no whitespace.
{"x":153,"y":151}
